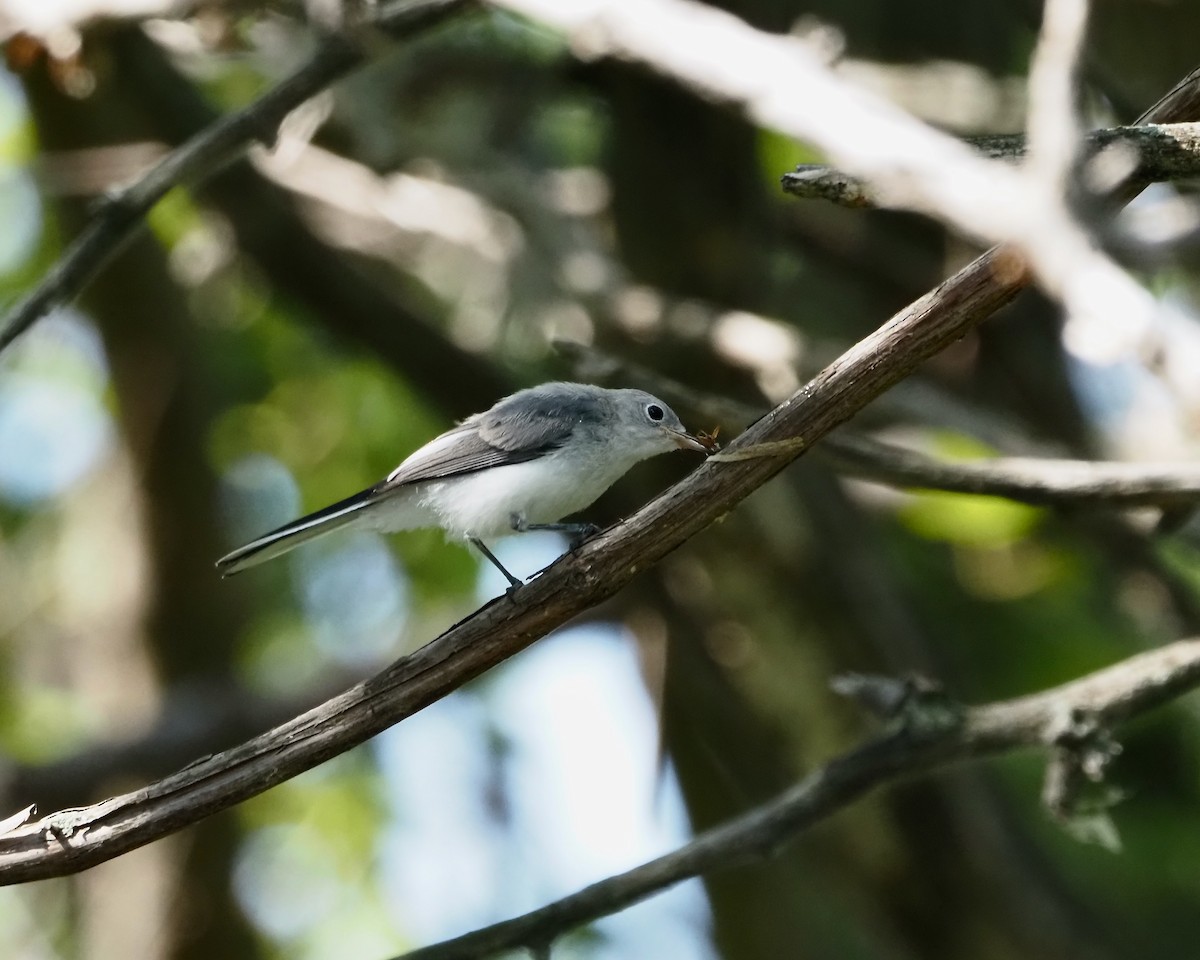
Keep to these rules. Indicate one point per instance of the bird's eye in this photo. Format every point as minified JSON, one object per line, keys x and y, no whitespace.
{"x":655,"y":412}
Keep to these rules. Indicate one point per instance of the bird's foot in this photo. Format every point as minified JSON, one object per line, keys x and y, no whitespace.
{"x":582,"y":533}
{"x":577,"y":533}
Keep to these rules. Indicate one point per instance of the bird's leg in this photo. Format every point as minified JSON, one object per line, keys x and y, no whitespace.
{"x":577,"y":533}
{"x":479,"y":545}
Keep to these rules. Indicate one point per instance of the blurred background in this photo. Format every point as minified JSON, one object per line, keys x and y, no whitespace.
{"x":413,"y":248}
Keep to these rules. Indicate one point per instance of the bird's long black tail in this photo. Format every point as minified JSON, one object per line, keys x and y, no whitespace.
{"x":291,"y":535}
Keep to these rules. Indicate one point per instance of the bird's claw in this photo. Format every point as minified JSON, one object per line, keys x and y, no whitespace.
{"x":582,"y":534}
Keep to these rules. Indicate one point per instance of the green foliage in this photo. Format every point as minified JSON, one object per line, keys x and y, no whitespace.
{"x":570,"y":131}
{"x":969,"y":521}
{"x":778,"y":153}
{"x":40,"y":724}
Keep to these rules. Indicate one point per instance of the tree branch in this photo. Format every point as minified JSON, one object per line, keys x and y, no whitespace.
{"x":122,"y":211}
{"x":1164,"y":152}
{"x":778,"y":82}
{"x":934,"y":732}
{"x":1025,"y":479}
{"x":69,"y":841}
{"x":194,"y":720}
{"x":1034,"y":480}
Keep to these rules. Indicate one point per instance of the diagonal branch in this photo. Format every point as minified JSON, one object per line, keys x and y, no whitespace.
{"x":1053,"y":123}
{"x":936,"y":734}
{"x":68,"y":841}
{"x":122,"y":211}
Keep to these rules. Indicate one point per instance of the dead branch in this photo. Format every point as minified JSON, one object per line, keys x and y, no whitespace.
{"x":933,"y":732}
{"x":1163,"y":152}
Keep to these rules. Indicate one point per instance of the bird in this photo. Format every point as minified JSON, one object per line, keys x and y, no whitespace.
{"x":538,"y":455}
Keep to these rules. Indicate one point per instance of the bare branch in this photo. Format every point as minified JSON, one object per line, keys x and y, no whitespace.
{"x":1028,"y":480}
{"x":193,"y":721}
{"x":1165,"y":152}
{"x":123,"y":210}
{"x":935,"y":733}
{"x":1053,"y":124}
{"x":68,"y":841}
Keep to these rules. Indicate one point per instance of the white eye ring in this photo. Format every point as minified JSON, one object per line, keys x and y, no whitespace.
{"x":655,"y":412}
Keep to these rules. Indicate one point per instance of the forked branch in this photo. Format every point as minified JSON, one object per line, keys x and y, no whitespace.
{"x":932,"y":732}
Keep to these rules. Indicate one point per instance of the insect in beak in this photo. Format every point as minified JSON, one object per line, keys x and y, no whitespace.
{"x":706,"y":443}
{"x":709,"y":440}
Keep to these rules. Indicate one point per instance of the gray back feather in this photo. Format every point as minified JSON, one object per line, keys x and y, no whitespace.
{"x":521,"y":427}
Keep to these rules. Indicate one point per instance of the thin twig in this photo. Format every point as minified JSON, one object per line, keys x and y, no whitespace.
{"x":931,"y":739}
{"x":1165,"y":152}
{"x":123,"y":210}
{"x":1024,"y":479}
{"x":1034,"y":480}
{"x":1053,"y":124}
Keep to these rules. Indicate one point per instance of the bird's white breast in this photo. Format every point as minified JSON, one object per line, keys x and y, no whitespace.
{"x":544,"y":490}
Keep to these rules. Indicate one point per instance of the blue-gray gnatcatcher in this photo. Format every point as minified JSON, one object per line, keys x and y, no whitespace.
{"x":532,"y":459}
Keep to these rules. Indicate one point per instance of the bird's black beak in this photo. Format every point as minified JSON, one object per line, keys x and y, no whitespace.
{"x":686,"y":441}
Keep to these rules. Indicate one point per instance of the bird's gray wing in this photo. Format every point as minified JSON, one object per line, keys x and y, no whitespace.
{"x":493,"y":439}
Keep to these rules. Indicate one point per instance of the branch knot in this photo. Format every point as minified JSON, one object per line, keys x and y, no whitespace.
{"x":917,"y":704}
{"x":1082,"y":748}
